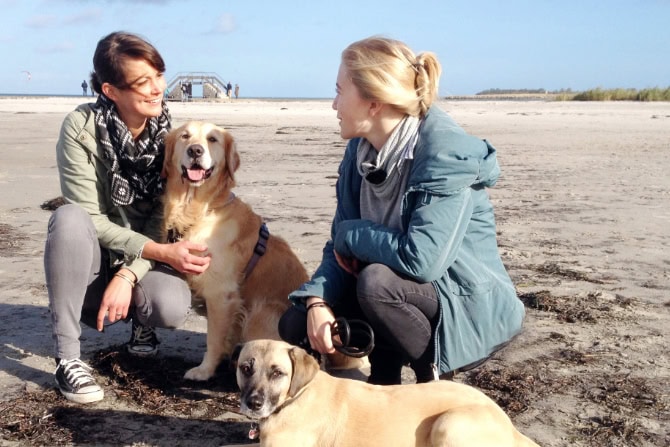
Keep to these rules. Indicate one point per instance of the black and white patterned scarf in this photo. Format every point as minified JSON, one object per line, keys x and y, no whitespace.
{"x":135,"y":165}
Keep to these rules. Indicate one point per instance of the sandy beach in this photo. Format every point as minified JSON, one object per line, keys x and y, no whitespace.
{"x":583,"y":213}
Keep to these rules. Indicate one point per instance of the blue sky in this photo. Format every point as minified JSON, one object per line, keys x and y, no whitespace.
{"x":275,"y":48}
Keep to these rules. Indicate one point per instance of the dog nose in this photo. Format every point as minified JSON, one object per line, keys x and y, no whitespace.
{"x":195,"y":151}
{"x":255,"y":401}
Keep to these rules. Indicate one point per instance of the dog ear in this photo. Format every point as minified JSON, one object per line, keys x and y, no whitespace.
{"x":232,"y":156}
{"x":305,"y":368}
{"x":235,"y":356}
{"x":170,"y":140}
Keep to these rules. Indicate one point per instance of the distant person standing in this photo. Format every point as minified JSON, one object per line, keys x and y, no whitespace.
{"x":237,"y":91}
{"x":184,"y":92}
{"x":229,"y":90}
{"x":84,"y":87}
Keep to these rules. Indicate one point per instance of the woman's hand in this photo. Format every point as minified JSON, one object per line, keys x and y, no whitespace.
{"x":183,"y":256}
{"x":116,"y":299}
{"x":350,"y":265}
{"x":319,"y":320}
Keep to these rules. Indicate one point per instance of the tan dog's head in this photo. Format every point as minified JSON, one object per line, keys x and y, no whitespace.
{"x":197,"y":152}
{"x":268,"y":373}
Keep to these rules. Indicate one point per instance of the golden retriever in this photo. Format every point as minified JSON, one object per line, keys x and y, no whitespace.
{"x":243,"y":301}
{"x":297,"y":404}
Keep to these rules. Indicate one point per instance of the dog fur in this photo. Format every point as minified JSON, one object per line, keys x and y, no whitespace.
{"x":200,"y":164}
{"x":297,"y":404}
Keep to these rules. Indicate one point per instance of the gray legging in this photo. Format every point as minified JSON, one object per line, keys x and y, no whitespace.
{"x":77,"y":273}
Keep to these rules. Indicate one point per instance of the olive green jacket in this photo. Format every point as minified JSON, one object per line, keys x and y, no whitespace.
{"x":84,"y":180}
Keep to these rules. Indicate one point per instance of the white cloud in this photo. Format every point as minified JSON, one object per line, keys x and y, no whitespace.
{"x":83,"y":17}
{"x":41,"y":21}
{"x":63,"y":47}
{"x":134,"y":2}
{"x":226,"y":24}
{"x":150,"y":2}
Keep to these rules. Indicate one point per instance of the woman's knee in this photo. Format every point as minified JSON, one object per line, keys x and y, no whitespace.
{"x":162,"y":300}
{"x":374,"y":281}
{"x":293,"y":325}
{"x":71,"y":221}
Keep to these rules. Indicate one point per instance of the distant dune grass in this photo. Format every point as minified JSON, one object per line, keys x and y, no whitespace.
{"x":621,"y":94}
{"x":596,"y":94}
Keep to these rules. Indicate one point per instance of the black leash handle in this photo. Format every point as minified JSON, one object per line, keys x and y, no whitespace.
{"x":348,"y":330}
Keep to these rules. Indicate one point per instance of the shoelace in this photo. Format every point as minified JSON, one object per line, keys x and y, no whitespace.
{"x":143,"y":335}
{"x":77,"y":372}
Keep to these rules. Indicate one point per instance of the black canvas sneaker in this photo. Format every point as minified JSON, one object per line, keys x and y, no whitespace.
{"x":75,"y":382}
{"x":143,"y":341}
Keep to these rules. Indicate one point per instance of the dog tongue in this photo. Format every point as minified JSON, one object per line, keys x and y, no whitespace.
{"x":195,"y":175}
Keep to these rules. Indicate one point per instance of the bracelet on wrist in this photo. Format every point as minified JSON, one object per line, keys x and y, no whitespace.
{"x":127,"y":278}
{"x":317,"y":304}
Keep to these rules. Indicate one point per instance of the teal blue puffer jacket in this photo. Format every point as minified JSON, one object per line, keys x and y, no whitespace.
{"x":449,"y":240}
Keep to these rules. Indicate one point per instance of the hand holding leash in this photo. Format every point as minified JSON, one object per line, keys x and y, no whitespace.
{"x":353,"y":338}
{"x":319,"y":321}
{"x":344,"y":332}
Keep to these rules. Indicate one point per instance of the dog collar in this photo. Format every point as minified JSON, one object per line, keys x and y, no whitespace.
{"x":255,"y":429}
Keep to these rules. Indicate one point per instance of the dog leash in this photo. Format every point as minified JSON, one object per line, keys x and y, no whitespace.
{"x":345,"y":331}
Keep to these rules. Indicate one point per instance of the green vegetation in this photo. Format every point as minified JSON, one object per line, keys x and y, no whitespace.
{"x":620,"y":94}
{"x":597,"y":94}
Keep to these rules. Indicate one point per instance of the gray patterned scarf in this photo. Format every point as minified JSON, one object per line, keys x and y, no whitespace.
{"x":135,"y":165}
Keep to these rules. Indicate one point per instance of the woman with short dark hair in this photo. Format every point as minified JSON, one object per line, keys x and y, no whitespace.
{"x":102,"y":257}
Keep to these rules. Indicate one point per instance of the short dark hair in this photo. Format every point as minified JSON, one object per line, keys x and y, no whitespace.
{"x":110,"y":54}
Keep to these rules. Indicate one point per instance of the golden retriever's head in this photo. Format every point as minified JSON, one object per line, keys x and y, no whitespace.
{"x":269,"y":372}
{"x":197,"y":152}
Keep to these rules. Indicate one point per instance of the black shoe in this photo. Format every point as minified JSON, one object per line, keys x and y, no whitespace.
{"x":143,"y":341}
{"x":424,"y":367}
{"x":385,"y":367}
{"x":75,"y":382}
{"x":424,"y":371}
{"x":384,"y":379}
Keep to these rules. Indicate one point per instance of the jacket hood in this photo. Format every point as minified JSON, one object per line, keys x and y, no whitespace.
{"x":447,"y":160}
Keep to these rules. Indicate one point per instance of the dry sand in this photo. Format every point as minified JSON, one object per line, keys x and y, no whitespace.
{"x":583,"y":210}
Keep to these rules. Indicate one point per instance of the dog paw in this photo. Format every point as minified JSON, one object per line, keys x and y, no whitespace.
{"x":199,"y":374}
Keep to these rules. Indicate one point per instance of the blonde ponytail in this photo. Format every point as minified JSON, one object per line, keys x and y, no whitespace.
{"x":387,"y":71}
{"x":428,"y":71}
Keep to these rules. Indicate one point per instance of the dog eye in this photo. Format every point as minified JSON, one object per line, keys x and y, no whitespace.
{"x":246,"y":369}
{"x":212,"y":139}
{"x":276,"y":374}
{"x":185,"y":136}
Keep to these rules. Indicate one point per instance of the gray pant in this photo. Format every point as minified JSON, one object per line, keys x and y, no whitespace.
{"x":77,"y":272}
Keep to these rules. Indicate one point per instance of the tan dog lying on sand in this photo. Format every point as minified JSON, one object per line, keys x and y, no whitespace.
{"x":297,"y":404}
{"x":251,"y":272}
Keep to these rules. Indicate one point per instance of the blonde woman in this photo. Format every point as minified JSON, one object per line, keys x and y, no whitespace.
{"x":413,"y":248}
